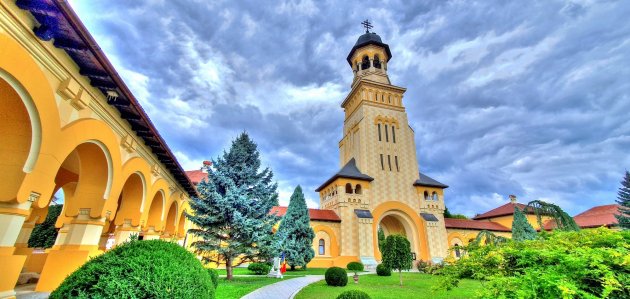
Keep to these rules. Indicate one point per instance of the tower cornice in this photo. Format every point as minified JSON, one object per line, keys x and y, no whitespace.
{"x":370,"y":83}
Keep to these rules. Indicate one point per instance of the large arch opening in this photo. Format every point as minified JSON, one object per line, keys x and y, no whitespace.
{"x":171,"y":217}
{"x":132,"y":196}
{"x":154,"y":219}
{"x":396,"y":222}
{"x":16,"y":132}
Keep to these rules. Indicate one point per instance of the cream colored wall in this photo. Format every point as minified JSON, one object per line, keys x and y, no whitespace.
{"x":508,"y":219}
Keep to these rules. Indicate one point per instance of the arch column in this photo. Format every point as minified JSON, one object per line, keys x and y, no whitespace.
{"x":12,"y":217}
{"x":124,"y":232}
{"x":77,"y":241}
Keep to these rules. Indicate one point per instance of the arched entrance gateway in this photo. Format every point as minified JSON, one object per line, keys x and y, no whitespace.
{"x":68,"y":122}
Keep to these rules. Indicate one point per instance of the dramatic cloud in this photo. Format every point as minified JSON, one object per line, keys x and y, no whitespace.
{"x":505,"y":97}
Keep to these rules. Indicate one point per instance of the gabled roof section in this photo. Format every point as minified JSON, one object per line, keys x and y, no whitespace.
{"x":504,"y":210}
{"x":427,"y":181}
{"x":348,"y":171}
{"x":593,"y":217}
{"x":314,"y":214}
{"x":58,"y":22}
{"x":196,"y":176}
{"x":474,"y":225}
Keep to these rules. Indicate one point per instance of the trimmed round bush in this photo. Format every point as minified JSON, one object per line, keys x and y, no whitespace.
{"x":259,"y":268}
{"x":214,"y":275}
{"x":353,"y":294}
{"x":336,"y":276}
{"x":382,"y":270}
{"x":355,"y":266}
{"x":139,"y":269}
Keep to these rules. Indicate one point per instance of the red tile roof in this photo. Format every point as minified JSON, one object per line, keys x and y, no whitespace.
{"x":506,"y":209}
{"x":196,"y":176}
{"x":593,"y":217}
{"x":315,"y":214}
{"x":475,"y":225}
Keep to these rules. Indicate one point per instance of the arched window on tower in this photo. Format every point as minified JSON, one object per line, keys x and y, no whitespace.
{"x":435,"y":196}
{"x":348,"y":188}
{"x":426,"y":195}
{"x":365,"y":63}
{"x":322,"y":247}
{"x":377,"y":62}
{"x":357,"y":189}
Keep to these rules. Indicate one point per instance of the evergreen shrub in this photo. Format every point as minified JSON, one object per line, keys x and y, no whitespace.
{"x":139,"y":269}
{"x":259,"y":268}
{"x":337,"y":277}
{"x":214,"y":275}
{"x":382,"y":270}
{"x":353,"y":294}
{"x":45,"y":233}
{"x":355,"y":266}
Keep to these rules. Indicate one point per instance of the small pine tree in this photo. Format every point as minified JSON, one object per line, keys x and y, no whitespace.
{"x":45,"y":233}
{"x":381,"y":240}
{"x":447,"y":213}
{"x":397,"y":254}
{"x":521,"y":228}
{"x":296,"y":233}
{"x":623,"y":199}
{"x":231,"y":214}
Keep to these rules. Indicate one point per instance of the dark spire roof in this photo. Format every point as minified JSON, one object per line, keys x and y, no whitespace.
{"x":369,"y":38}
{"x":427,"y":181}
{"x":349,"y":171}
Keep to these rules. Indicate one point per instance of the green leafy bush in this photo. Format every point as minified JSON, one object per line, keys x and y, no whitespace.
{"x":429,"y":267}
{"x":214,"y":275}
{"x":353,"y":294}
{"x":355,"y":266}
{"x":382,"y":270}
{"x":139,"y":269}
{"x":45,"y":233}
{"x":259,"y":268}
{"x":336,"y":276}
{"x":591,"y":263}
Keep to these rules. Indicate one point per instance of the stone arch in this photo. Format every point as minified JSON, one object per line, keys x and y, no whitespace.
{"x":156,"y":212}
{"x":332,"y":245}
{"x":170,"y":225}
{"x":181,"y":223}
{"x":357,"y":189}
{"x":415,"y":228}
{"x":132,"y":196}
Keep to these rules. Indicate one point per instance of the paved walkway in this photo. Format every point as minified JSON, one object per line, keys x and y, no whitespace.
{"x":284,"y":289}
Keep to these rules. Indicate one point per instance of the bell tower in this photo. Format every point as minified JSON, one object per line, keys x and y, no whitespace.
{"x":379,"y":183}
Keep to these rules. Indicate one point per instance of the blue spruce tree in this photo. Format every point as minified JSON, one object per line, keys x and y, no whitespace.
{"x":623,"y":199}
{"x":231,"y":214}
{"x":295,"y":232}
{"x":521,"y":229}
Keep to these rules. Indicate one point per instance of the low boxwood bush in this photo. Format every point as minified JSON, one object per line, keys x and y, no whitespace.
{"x":382,"y":270}
{"x":355,"y":266}
{"x":353,"y":294}
{"x":336,"y":276}
{"x":214,"y":275}
{"x":259,"y":268}
{"x":139,"y":269}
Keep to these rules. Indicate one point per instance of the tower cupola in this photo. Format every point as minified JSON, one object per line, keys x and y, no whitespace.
{"x":369,"y":57}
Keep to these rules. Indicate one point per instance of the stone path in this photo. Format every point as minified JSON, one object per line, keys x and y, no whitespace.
{"x":283,"y":289}
{"x":27,"y":291}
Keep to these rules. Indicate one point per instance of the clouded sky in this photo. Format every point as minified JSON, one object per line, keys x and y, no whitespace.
{"x":505,"y":97}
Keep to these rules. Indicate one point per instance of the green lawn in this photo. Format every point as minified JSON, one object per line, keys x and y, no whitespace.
{"x":297,"y":272}
{"x":416,"y":285}
{"x":241,"y":286}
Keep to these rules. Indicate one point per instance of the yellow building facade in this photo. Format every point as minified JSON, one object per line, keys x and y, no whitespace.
{"x":68,"y":122}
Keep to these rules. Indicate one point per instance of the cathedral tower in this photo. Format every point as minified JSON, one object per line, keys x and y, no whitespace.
{"x":379,"y":184}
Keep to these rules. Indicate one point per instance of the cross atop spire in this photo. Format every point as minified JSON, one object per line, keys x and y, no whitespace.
{"x":367,"y":25}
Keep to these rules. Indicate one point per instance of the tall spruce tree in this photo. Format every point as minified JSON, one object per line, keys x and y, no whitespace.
{"x":231,"y":214}
{"x":521,"y":229}
{"x":295,"y":232}
{"x":623,"y":199}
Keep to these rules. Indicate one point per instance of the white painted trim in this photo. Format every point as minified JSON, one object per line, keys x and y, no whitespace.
{"x":36,"y":127}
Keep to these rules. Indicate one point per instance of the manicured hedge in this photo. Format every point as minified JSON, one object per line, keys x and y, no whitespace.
{"x":382,"y":270}
{"x":259,"y":268}
{"x":355,"y":266}
{"x":214,"y":275}
{"x":139,"y":269}
{"x":336,"y":276}
{"x":353,"y":294}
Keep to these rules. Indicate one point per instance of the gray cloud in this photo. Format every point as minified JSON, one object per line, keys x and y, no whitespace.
{"x":505,"y":97}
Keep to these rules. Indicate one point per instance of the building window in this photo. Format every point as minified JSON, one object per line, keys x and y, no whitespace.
{"x":426,"y":195}
{"x":357,"y":189}
{"x":348,"y":188}
{"x":322,"y":247}
{"x":389,"y":162}
{"x":379,"y":132}
{"x":396,"y":162}
{"x":393,"y":134}
{"x":435,"y":196}
{"x":386,"y":134}
{"x":377,"y":62}
{"x":382,"y":165}
{"x":457,"y":252}
{"x":365,"y":64}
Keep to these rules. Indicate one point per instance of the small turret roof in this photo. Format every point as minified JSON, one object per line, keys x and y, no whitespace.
{"x":369,"y":38}
{"x":427,"y":181}
{"x":349,"y":171}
